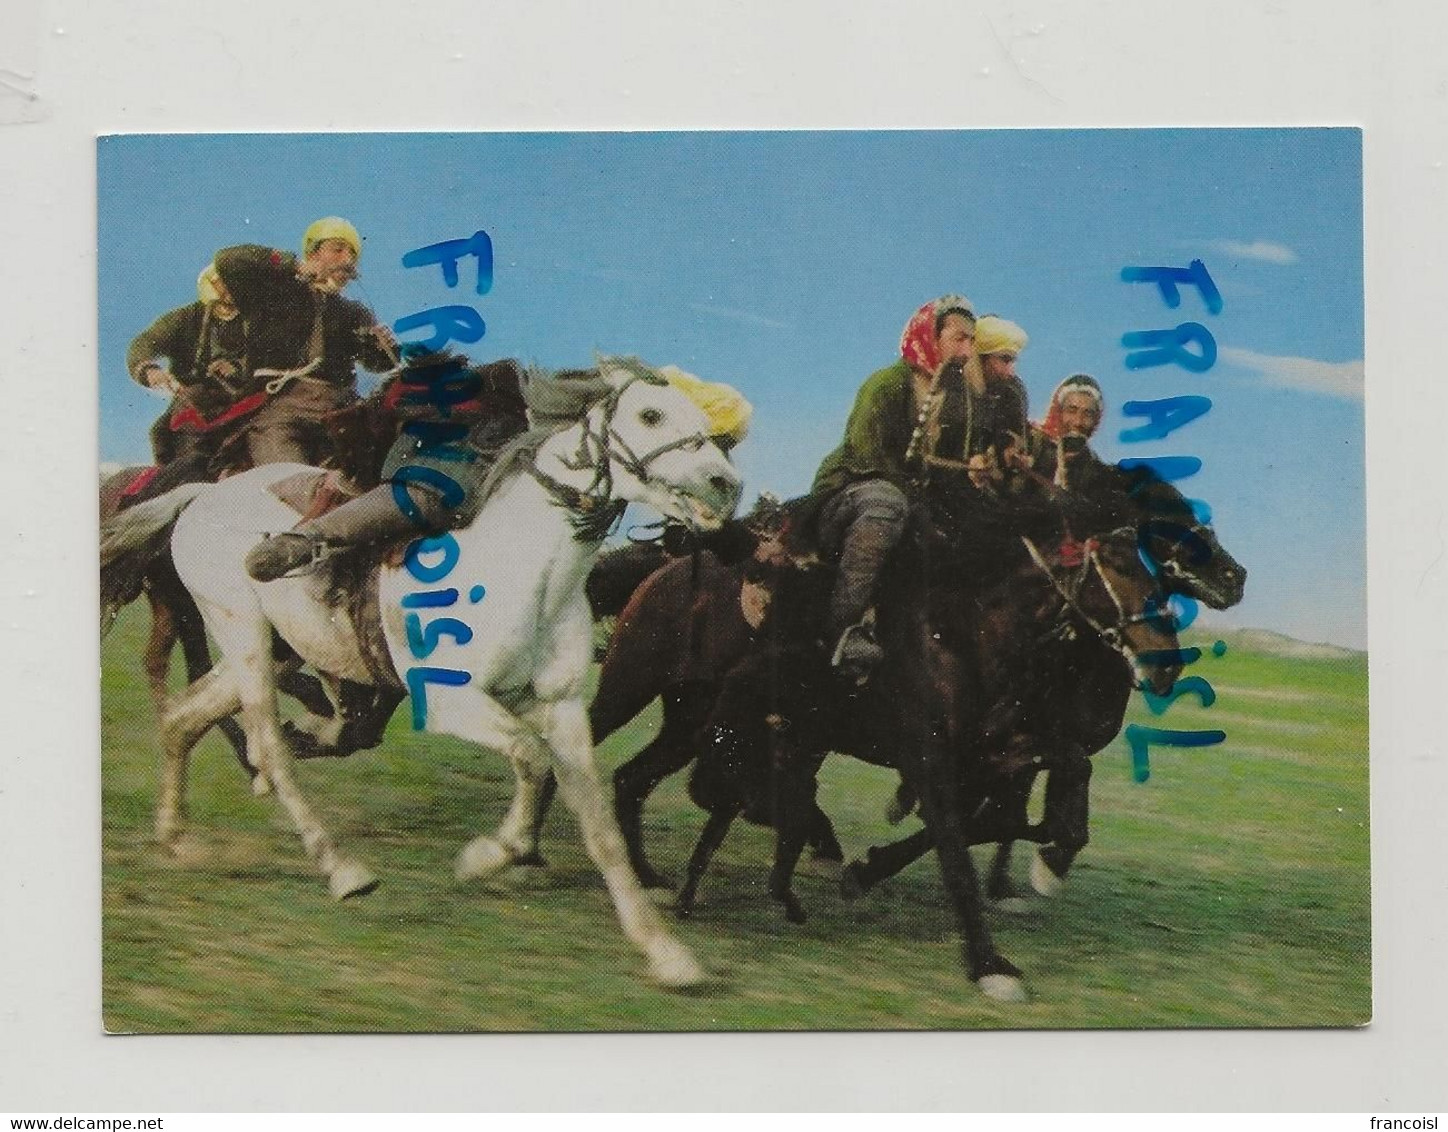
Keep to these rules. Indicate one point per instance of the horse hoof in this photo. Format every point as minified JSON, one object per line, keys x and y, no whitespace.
{"x":1002,"y":988}
{"x":851,"y":887}
{"x":261,"y":785}
{"x":794,"y":912}
{"x":351,"y":878}
{"x":650,"y":879}
{"x":1043,"y":880}
{"x":674,"y":966}
{"x":482,"y":857}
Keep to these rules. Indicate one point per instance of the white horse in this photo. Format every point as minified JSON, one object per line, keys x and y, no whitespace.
{"x":520,"y":635}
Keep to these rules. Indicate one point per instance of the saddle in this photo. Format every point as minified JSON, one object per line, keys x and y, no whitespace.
{"x":354,"y":573}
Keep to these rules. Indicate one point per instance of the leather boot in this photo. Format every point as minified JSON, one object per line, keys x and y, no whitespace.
{"x":867,"y":545}
{"x":369,"y":519}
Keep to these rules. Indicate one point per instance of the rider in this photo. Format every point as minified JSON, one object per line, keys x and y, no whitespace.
{"x":1072,"y":419}
{"x":424,"y":491}
{"x":196,"y":353}
{"x":1096,"y":495}
{"x":936,"y":404}
{"x":304,"y":339}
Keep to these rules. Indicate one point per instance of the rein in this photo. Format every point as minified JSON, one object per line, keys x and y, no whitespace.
{"x":1113,"y":635}
{"x":594,"y":511}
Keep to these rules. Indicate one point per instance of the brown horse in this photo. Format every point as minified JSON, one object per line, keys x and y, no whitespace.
{"x":929,"y":710}
{"x":1077,"y":697}
{"x":686,"y":627}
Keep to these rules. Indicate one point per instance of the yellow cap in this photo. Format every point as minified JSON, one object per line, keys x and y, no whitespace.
{"x":996,"y":335}
{"x":725,"y":406}
{"x":331,"y":228}
{"x":206,"y":283}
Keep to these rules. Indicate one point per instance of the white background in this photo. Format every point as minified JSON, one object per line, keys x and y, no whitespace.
{"x":263,"y":65}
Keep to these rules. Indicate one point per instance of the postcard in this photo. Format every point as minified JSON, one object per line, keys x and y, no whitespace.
{"x":733,"y":581}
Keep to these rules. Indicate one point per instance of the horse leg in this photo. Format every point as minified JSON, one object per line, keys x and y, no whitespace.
{"x":901,"y":805}
{"x":316,"y":734}
{"x":171,"y":601}
{"x":712,"y":836}
{"x":684,"y":711}
{"x":562,"y":729}
{"x":827,"y":855}
{"x":998,"y":887}
{"x":795,"y":785}
{"x":156,"y":659}
{"x":245,"y":638}
{"x":940,"y":803}
{"x":1068,"y":803}
{"x":566,"y":730}
{"x":882,"y":862}
{"x":187,"y":717}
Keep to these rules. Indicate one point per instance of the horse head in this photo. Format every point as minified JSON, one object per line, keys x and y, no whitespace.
{"x":1176,"y":534}
{"x":656,"y":443}
{"x":1125,"y":604}
{"x":1193,"y":563}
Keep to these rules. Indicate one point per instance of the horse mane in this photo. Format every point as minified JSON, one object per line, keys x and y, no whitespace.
{"x":556,"y":400}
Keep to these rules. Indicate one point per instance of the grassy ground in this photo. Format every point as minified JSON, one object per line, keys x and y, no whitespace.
{"x":1229,"y":890}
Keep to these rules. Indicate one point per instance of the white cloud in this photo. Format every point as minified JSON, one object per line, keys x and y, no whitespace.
{"x":1264,"y":250}
{"x":1337,"y":379}
{"x":734,"y":314}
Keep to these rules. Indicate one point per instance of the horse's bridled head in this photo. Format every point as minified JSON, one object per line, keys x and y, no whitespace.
{"x":663,"y":452}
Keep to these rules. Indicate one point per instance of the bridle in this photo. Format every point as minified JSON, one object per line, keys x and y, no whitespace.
{"x":1114,"y":635}
{"x":594,"y":510}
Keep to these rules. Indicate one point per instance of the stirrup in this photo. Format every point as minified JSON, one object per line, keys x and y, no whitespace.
{"x":315,"y":551}
{"x":857,"y":654}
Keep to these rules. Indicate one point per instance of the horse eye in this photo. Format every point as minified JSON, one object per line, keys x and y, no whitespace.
{"x":652,"y":417}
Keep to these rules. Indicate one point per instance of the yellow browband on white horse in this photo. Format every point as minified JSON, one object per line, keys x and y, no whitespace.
{"x":728,"y":412}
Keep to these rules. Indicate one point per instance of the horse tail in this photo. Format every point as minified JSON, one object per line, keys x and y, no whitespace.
{"x":130,"y":542}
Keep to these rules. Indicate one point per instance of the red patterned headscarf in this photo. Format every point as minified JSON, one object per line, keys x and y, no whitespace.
{"x":918,"y":344}
{"x":1076,"y":383}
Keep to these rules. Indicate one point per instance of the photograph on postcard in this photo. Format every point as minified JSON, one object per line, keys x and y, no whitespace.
{"x":733,"y":581}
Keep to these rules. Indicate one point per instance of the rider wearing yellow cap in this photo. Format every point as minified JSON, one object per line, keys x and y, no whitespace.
{"x":492,"y":418}
{"x":304,"y":339}
{"x":193,"y":352}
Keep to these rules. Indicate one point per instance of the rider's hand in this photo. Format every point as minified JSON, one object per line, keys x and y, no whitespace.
{"x":979,"y":470}
{"x":163,"y":379}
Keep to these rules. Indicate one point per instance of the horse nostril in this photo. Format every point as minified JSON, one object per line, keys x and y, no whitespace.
{"x":722,"y":484}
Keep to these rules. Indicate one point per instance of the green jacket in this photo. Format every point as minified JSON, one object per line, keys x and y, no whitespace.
{"x":288,"y":323}
{"x":883,"y":420}
{"x":189,"y":339}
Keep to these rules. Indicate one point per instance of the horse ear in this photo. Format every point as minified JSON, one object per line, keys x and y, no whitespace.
{"x":630,"y":367}
{"x":564,"y":396}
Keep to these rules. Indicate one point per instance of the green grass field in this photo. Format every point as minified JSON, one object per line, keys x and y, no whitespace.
{"x":1229,"y":890}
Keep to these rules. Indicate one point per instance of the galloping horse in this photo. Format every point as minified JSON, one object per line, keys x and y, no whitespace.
{"x":923,"y":712}
{"x":686,"y":627}
{"x":522,"y":656}
{"x":1078,"y":697}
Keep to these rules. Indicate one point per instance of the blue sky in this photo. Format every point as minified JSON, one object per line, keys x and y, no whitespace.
{"x":787,"y":263}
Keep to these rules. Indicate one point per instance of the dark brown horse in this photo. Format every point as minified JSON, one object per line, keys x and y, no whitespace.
{"x":1077,"y":697}
{"x":679,"y":634}
{"x":951,"y":602}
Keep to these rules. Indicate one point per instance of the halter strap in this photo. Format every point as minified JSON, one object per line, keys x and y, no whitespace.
{"x":1113,"y":635}
{"x":594,"y":509}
